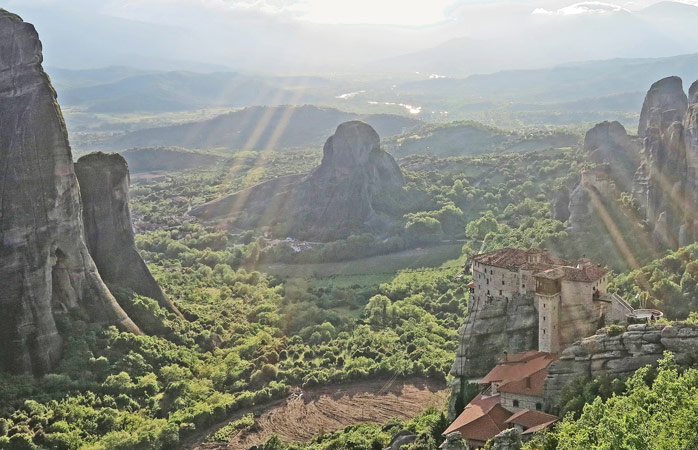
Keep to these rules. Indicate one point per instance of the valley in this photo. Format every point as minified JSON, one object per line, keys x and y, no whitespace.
{"x":415,"y":240}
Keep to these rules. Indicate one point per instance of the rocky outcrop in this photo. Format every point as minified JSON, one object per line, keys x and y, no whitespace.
{"x":595,"y":187}
{"x":620,"y":355}
{"x":104,"y":183}
{"x":491,"y":328}
{"x":403,"y":437}
{"x":339,"y":194}
{"x":346,"y":194}
{"x":609,"y":143}
{"x":506,"y":440}
{"x":454,"y":441}
{"x":45,"y":266}
{"x":666,"y":186}
{"x":664,"y":104}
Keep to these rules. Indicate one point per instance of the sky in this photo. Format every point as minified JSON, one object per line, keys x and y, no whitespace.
{"x":298,"y":36}
{"x":406,"y":13}
{"x":410,"y":13}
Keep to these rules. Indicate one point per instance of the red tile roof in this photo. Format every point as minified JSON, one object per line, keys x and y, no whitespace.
{"x":521,"y":373}
{"x":528,"y":418}
{"x":547,"y":266}
{"x":514,"y":258}
{"x":586,"y":273}
{"x":482,"y":419}
{"x":542,"y":426}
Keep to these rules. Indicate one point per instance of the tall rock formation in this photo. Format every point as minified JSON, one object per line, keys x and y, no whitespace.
{"x":666,"y":184}
{"x":351,"y":191}
{"x":104,"y":183}
{"x":45,"y":266}
{"x":664,"y":104}
{"x":609,"y":143}
{"x":339,"y":194}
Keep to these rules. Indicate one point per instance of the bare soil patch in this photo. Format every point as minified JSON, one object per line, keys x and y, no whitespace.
{"x":332,"y":408}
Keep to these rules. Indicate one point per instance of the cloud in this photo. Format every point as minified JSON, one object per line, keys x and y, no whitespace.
{"x":592,"y":7}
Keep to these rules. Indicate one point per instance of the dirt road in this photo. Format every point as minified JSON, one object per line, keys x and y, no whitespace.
{"x":334,"y":407}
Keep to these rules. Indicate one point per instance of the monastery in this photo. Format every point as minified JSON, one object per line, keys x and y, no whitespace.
{"x":570,"y":300}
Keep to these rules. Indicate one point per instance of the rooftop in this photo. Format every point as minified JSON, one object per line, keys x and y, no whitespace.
{"x":529,"y":418}
{"x":521,"y":373}
{"x":482,"y":419}
{"x":586,"y":273}
{"x":515,"y":258}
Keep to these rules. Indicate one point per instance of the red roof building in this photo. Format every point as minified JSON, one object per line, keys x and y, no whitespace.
{"x":512,"y":396}
{"x":481,"y":420}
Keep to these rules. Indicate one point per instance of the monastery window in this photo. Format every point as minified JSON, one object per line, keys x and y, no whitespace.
{"x":500,"y":292}
{"x":543,"y":330}
{"x":516,"y":403}
{"x":502,"y":282}
{"x":488,"y":292}
{"x":523,"y":286}
{"x":539,"y":406}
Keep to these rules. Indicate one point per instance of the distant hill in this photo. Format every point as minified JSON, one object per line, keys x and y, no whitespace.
{"x":565,"y":83}
{"x":259,"y":128}
{"x":472,"y":138}
{"x":127,"y":90}
{"x":165,"y":158}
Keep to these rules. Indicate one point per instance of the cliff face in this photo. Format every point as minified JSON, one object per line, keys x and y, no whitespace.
{"x":621,"y":355}
{"x":45,"y":267}
{"x":104,"y":183}
{"x":593,"y":189}
{"x":609,"y":143}
{"x":340,"y":197}
{"x":491,"y":328}
{"x":666,"y":185}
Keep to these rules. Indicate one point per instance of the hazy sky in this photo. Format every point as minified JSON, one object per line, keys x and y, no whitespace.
{"x":296,"y":35}
{"x":409,"y":13}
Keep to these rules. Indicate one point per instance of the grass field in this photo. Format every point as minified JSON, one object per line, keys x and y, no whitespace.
{"x":367,"y":271}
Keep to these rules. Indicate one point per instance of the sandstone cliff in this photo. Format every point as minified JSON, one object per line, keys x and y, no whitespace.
{"x":491,"y":328}
{"x":339,"y":194}
{"x":104,"y":183}
{"x":45,"y":266}
{"x":347,"y":193}
{"x":666,"y":184}
{"x":621,"y":355}
{"x":595,"y":187}
{"x":609,"y":143}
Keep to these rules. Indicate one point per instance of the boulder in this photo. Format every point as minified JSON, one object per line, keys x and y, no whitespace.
{"x":507,"y":440}
{"x":403,"y":437}
{"x":104,"y":183}
{"x":45,"y":266}
{"x":454,"y":441}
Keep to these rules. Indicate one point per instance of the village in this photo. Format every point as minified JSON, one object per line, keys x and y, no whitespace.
{"x":570,"y":302}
